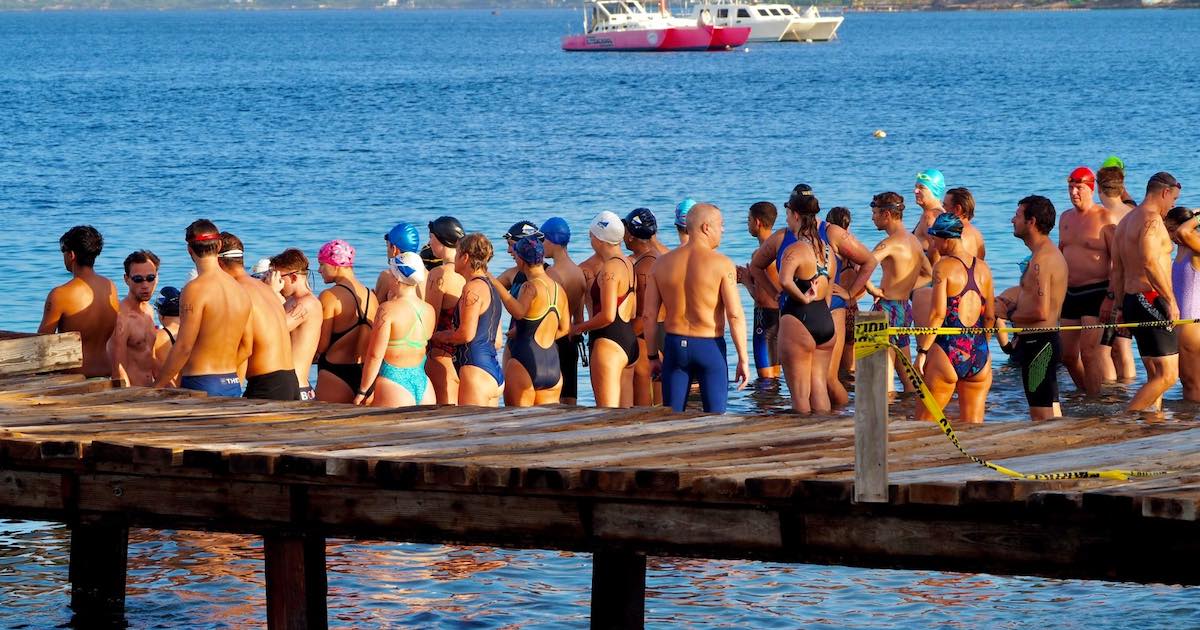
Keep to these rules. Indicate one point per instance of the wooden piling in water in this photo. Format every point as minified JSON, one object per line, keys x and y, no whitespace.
{"x":870,"y":417}
{"x":296,"y":581}
{"x":99,"y":551}
{"x":618,"y":590}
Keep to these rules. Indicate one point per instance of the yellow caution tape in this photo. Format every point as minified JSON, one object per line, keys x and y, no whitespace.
{"x":979,"y":330}
{"x":871,"y":337}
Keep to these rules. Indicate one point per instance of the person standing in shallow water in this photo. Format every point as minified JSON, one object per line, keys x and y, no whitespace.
{"x":1141,"y":279}
{"x":1185,"y":281}
{"x":442,"y":290}
{"x":475,"y":325}
{"x":641,"y":229}
{"x":570,"y":277}
{"x":763,"y":287}
{"x":215,"y":335}
{"x":1110,"y":188}
{"x":394,"y":360}
{"x":270,"y":372}
{"x":904,"y":268}
{"x":1039,"y":304}
{"x":963,"y":297}
{"x":289,"y":276}
{"x":698,"y":287}
{"x":1085,"y":238}
{"x":133,"y":340}
{"x":347,"y":313}
{"x":87,"y":303}
{"x":612,"y":343}
{"x":540,"y":316}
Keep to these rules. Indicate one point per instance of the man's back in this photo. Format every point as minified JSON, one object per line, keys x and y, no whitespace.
{"x":272,"y":348}
{"x":87,"y":305}
{"x":224,"y":310}
{"x":570,"y":276}
{"x":689,"y":283}
{"x":902,"y":266}
{"x":1133,"y":253}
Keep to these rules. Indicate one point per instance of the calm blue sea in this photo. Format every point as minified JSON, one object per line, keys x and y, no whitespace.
{"x":292,"y":128}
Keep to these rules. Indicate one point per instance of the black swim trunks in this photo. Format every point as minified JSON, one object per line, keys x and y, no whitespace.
{"x":1152,"y":341}
{"x":1084,"y":301}
{"x":568,"y":364}
{"x":278,"y":385}
{"x":1039,"y":355}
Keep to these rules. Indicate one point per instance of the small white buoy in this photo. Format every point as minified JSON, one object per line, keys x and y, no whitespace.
{"x":879,"y":133}
{"x":746,"y":49}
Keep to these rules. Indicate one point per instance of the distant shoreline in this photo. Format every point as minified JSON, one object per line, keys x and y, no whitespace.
{"x":937,"y":6}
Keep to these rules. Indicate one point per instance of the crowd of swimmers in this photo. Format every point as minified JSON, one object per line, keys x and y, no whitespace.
{"x":655,"y":319}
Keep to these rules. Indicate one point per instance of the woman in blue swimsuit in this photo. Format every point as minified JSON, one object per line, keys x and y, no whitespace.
{"x":476,"y":322}
{"x":962,"y":298}
{"x":532,"y":375}
{"x":394,"y":361}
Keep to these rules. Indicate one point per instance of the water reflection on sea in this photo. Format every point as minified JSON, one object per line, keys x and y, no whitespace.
{"x":187,"y":579}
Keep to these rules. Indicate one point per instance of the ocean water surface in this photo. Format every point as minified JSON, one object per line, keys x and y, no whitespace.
{"x":292,"y":128}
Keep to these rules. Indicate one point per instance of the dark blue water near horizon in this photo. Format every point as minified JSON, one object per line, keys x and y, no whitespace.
{"x":292,"y":128}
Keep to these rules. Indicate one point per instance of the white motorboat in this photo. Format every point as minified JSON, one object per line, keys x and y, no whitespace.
{"x":769,"y":22}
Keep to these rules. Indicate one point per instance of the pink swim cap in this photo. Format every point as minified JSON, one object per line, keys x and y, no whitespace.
{"x":337,"y":253}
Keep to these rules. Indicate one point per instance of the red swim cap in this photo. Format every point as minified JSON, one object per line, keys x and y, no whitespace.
{"x":1082,"y":175}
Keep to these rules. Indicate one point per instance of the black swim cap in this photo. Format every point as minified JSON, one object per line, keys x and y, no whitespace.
{"x":431,"y":261}
{"x":168,"y":304}
{"x":521,"y":229}
{"x":447,"y":230}
{"x":641,"y":223}
{"x":803,"y":200}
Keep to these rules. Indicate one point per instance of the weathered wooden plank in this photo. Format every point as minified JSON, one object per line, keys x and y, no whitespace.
{"x":31,"y":490}
{"x":185,"y":498}
{"x":41,"y":353}
{"x":871,"y":417}
{"x":672,"y":525}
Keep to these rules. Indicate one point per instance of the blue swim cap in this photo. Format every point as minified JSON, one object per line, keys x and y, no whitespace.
{"x":530,"y":250}
{"x":933,"y":180}
{"x":681,"y":211}
{"x":404,"y":237}
{"x":946,"y":225}
{"x":557,"y":231}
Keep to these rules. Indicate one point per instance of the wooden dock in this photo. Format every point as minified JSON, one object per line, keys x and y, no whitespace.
{"x":620,"y":484}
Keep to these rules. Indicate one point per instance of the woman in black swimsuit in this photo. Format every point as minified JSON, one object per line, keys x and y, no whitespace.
{"x":806,"y":327}
{"x":540,"y":315}
{"x":613,"y":345}
{"x":348,"y":308}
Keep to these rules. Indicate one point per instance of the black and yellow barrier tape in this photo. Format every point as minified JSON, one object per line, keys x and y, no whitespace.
{"x":978,"y":330}
{"x":871,"y":337}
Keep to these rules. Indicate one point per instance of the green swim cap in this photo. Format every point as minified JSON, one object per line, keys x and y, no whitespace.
{"x":1113,"y":160}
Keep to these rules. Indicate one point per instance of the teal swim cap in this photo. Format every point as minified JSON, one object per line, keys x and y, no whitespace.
{"x":1113,"y":160}
{"x":933,"y":180}
{"x":681,"y":212}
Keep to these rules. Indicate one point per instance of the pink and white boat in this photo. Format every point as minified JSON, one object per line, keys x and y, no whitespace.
{"x":625,"y":25}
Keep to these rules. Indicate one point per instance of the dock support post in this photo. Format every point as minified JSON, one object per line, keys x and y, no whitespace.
{"x":99,"y":551}
{"x":296,"y":582}
{"x":870,"y":417}
{"x":618,"y":589}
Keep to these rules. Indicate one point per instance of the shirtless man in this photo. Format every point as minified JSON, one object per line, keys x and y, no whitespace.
{"x":1085,"y":238}
{"x":1039,"y":304}
{"x":1110,"y":187}
{"x":290,"y":277}
{"x":131,"y":347}
{"x":87,"y":303}
{"x":698,"y":286}
{"x":401,"y":238}
{"x":443,"y":287}
{"x":763,"y":287}
{"x":641,"y":239}
{"x":905,"y":266}
{"x":567,"y":274}
{"x":1141,"y":277}
{"x":270,"y":372}
{"x":215,"y":335}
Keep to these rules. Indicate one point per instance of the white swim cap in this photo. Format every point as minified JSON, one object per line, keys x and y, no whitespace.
{"x":408,"y":268}
{"x":261,"y":268}
{"x":608,"y":228}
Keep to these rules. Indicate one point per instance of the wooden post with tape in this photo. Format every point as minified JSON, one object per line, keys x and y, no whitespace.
{"x":870,"y":416}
